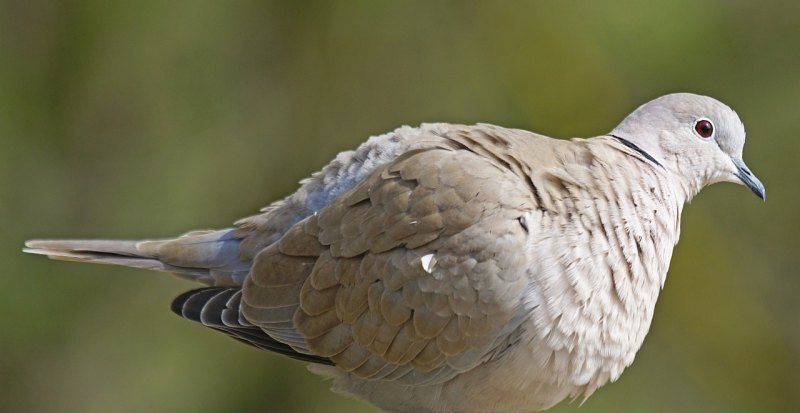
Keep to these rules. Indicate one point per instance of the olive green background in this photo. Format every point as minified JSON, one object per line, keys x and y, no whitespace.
{"x":151,"y":118}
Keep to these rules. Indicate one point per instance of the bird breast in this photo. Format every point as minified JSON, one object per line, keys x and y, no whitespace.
{"x":598,"y":263}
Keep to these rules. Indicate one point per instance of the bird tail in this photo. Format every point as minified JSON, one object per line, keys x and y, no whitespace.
{"x":209,"y":257}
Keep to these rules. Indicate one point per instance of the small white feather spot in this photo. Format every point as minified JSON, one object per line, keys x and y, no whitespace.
{"x":428,"y":262}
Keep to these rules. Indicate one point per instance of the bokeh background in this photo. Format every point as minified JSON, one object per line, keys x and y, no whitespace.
{"x":151,"y":118}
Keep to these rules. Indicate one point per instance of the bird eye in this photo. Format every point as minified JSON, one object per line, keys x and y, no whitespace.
{"x":704,"y":128}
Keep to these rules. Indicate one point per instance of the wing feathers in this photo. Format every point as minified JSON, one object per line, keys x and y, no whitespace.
{"x":218,"y":308}
{"x":369,"y":302}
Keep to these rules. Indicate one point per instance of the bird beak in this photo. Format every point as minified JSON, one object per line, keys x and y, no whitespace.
{"x":749,"y":180}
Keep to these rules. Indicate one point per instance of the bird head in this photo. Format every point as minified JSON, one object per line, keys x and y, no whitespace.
{"x":698,"y":138}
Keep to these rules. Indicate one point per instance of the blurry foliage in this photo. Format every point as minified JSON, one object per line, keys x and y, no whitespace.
{"x":152,"y":118}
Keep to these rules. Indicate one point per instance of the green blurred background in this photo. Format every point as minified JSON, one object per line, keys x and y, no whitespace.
{"x":151,"y":118}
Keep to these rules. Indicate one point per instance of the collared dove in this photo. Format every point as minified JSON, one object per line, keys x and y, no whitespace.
{"x":450,"y":268}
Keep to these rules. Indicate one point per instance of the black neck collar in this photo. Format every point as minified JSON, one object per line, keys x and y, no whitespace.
{"x":639,"y":150}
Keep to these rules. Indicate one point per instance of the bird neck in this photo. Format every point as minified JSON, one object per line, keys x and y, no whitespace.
{"x":689,"y":172}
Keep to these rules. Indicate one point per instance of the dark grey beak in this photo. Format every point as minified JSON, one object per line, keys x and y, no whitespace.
{"x":749,"y":180}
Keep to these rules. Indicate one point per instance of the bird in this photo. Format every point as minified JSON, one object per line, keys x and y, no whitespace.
{"x":455,"y":268}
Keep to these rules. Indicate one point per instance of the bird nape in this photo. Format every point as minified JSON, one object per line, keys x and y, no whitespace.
{"x":452,"y":268}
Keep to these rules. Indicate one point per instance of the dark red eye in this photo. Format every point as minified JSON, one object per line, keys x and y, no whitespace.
{"x":704,"y":128}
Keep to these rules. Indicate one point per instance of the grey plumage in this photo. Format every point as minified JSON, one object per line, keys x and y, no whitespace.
{"x":451,"y":268}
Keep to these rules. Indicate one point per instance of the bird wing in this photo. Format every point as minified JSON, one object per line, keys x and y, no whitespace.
{"x":414,"y":274}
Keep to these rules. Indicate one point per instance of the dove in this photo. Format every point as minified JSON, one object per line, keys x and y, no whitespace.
{"x":452,"y":268}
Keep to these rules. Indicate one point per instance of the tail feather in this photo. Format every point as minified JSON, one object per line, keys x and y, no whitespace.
{"x":209,"y":257}
{"x":81,"y":252}
{"x":116,"y":247}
